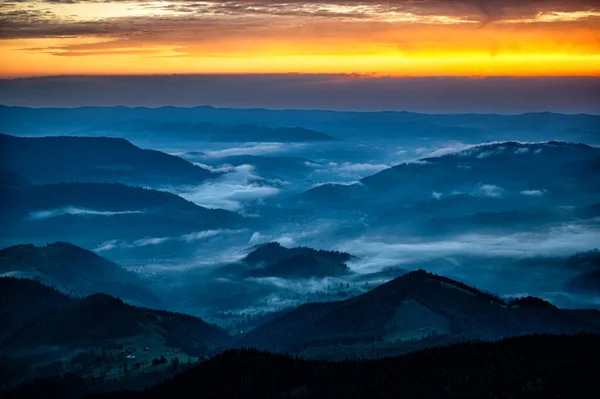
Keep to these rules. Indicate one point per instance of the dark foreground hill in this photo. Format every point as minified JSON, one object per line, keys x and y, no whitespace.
{"x":539,"y":366}
{"x":56,"y":159}
{"x":46,"y":332}
{"x":414,"y":306}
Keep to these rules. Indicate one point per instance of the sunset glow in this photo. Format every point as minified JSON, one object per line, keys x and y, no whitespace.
{"x":397,"y":38}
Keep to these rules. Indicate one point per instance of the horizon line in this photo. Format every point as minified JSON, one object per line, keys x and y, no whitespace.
{"x":302,"y":110}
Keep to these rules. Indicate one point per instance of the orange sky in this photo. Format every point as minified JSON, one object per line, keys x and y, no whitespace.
{"x":399,"y":38}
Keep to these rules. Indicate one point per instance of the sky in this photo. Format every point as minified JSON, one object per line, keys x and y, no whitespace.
{"x":398,"y":38}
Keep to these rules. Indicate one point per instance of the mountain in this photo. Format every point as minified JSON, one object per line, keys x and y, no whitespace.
{"x":206,"y":131}
{"x":11,"y":187}
{"x":47,"y":160}
{"x":588,"y":264}
{"x":23,"y":302}
{"x":93,"y":335}
{"x":552,"y":172}
{"x":104,"y":211}
{"x":274,"y":260}
{"x":398,"y":126}
{"x":74,"y":269}
{"x":12,"y":181}
{"x":540,"y":366}
{"x":414,"y":306}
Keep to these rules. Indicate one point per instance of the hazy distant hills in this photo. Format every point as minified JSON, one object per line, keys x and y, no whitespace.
{"x":515,"y":166}
{"x":552,"y":172}
{"x":415,"y":306}
{"x":105,"y":211}
{"x":74,"y":269}
{"x":206,"y":131}
{"x":46,"y":160}
{"x":275,"y":260}
{"x":399,"y":126}
{"x":465,"y":213}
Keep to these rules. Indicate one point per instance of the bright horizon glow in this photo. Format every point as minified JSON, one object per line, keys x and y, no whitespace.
{"x":400,"y":38}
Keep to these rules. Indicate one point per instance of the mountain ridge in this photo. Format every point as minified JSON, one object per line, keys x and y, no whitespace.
{"x":58,"y":159}
{"x":412,"y":306}
{"x":74,"y":268}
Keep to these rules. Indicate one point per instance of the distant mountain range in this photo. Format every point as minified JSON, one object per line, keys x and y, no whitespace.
{"x":76,"y":270}
{"x":416,"y":305}
{"x":398,"y":126}
{"x":48,"y":160}
{"x":206,"y":131}
{"x":274,"y":260}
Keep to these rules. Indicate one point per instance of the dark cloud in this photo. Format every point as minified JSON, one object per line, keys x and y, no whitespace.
{"x":343,"y":92}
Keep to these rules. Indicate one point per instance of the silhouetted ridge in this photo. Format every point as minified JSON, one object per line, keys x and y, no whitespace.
{"x":60,"y":319}
{"x":24,"y":302}
{"x":421,"y":276}
{"x":530,"y":301}
{"x":538,"y":366}
{"x":416,"y":305}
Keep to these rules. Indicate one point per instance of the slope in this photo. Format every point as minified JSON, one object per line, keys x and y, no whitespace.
{"x":413,"y":306}
{"x":44,"y":160}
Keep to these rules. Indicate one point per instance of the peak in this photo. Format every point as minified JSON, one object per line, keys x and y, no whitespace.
{"x":267,"y":245}
{"x":419,"y":273}
{"x":20,"y":246}
{"x":62,"y":244}
{"x":530,"y":301}
{"x":103,"y":299}
{"x":67,"y":246}
{"x":273,"y":244}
